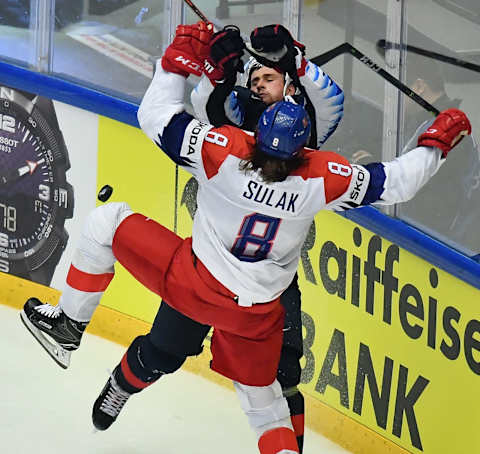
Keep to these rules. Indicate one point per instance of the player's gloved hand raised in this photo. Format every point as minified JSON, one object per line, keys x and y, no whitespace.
{"x":446,"y":131}
{"x":274,"y":46}
{"x":226,"y":50}
{"x":188,"y":50}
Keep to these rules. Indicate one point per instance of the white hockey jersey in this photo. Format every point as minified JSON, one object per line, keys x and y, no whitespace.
{"x":249,"y":233}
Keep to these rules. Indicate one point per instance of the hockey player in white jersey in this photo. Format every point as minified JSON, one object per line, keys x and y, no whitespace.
{"x":257,"y":197}
{"x":217,"y":101}
{"x":261,"y":86}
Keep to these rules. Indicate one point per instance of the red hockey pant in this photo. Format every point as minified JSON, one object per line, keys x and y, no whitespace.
{"x":246,"y":342}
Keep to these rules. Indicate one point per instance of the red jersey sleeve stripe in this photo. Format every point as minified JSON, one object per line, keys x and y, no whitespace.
{"x":86,"y":282}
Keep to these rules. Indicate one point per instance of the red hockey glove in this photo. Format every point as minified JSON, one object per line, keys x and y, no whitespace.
{"x":226,"y":50}
{"x":446,"y":131}
{"x":189,"y":48}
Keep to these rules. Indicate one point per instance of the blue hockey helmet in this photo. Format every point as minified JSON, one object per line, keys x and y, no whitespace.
{"x":283,"y":129}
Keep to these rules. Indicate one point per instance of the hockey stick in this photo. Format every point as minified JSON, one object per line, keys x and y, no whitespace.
{"x":430,"y":54}
{"x":197,"y":11}
{"x":294,"y":76}
{"x":348,"y":48}
{"x":218,"y":24}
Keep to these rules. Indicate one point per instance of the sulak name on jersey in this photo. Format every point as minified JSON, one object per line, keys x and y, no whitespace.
{"x":268,"y":196}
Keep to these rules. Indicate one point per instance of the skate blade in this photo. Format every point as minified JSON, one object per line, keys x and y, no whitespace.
{"x":56,"y":351}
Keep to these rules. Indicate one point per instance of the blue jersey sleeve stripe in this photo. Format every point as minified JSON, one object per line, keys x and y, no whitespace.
{"x":376,"y":185}
{"x":326,"y":82}
{"x":317,"y":74}
{"x":339,"y":98}
{"x":171,"y":139}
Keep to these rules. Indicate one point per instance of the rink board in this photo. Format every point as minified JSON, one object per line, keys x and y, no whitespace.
{"x":391,"y":342}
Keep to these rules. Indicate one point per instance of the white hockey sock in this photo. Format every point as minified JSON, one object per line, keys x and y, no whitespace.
{"x":268,"y":413}
{"x":92,"y":266}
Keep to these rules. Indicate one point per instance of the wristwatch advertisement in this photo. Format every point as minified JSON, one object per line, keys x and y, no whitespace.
{"x":35,"y":197}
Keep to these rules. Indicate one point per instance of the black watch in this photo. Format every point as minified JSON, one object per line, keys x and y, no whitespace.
{"x":35,"y":198}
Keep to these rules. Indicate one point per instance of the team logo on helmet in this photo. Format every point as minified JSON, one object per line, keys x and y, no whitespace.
{"x":283,"y":130}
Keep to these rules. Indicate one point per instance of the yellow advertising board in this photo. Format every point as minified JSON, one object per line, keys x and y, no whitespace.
{"x":145,"y":178}
{"x":389,"y":340}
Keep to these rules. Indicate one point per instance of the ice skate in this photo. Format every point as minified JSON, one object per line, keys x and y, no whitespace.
{"x":109,"y":404}
{"x":58,"y":334}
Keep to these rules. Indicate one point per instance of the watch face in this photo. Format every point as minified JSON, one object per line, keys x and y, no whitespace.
{"x":35,"y":198}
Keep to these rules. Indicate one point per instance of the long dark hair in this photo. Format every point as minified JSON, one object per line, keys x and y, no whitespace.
{"x":272,"y":169}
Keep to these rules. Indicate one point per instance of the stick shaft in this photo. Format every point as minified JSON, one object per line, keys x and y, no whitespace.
{"x":321,"y":59}
{"x":393,"y":80}
{"x":430,"y":54}
{"x":348,"y":48}
{"x":196,"y":10}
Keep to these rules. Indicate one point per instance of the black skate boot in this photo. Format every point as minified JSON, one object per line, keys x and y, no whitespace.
{"x":58,"y":334}
{"x":109,"y":403}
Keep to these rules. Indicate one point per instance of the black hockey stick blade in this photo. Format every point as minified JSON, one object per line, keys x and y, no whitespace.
{"x":383,"y":44}
{"x":321,"y":59}
{"x":348,"y":48}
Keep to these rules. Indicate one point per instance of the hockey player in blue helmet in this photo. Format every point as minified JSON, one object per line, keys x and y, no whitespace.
{"x":218,"y":101}
{"x":282,"y":131}
{"x":230,"y":285}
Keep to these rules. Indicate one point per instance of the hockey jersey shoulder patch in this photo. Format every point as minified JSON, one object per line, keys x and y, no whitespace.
{"x":358,"y":184}
{"x":191,"y":150}
{"x":356,"y":191}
